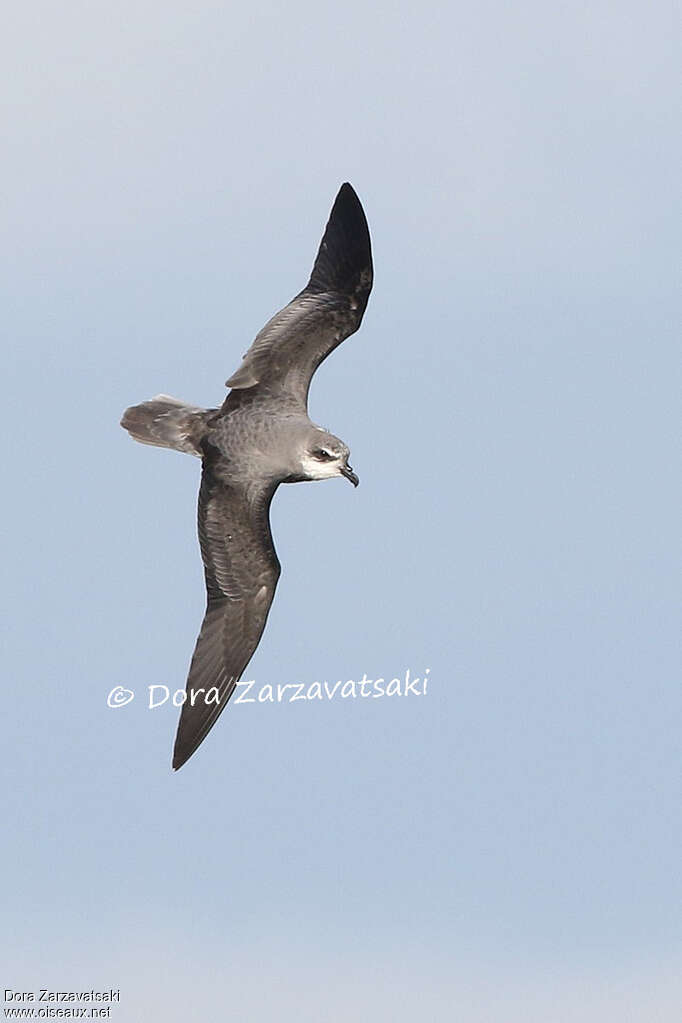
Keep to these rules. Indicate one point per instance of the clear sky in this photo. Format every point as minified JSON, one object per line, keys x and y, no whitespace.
{"x":507,"y":846}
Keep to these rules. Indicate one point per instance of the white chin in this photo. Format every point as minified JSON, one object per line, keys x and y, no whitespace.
{"x":315,"y":470}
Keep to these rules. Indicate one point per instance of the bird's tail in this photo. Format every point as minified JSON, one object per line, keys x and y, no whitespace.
{"x":167,"y":423}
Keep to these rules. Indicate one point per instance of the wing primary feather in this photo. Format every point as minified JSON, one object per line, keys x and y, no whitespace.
{"x":290,"y":347}
{"x":241,"y":569}
{"x":344,"y":258}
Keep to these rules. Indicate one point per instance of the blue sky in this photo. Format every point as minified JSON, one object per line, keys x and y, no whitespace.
{"x":508,"y":844}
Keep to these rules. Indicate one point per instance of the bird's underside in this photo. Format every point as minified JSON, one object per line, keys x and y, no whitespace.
{"x":260,"y":437}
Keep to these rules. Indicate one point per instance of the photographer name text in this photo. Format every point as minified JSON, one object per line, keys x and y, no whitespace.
{"x":159,"y":695}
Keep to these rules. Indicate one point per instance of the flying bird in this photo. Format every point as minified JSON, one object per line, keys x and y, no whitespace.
{"x":261,"y":436}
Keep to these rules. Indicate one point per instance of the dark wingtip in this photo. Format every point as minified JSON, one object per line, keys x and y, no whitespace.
{"x":347,"y":213}
{"x":347,"y":194}
{"x":344,"y":259}
{"x":181,"y":756}
{"x":188,"y":740}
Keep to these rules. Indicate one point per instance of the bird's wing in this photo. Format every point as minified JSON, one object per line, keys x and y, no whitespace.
{"x":289,"y":348}
{"x":242,"y":570}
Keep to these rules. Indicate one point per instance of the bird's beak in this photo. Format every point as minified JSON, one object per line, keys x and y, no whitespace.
{"x":349,"y":474}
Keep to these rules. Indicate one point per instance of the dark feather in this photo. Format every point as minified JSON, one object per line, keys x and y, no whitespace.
{"x":241,"y":569}
{"x":288,"y":350}
{"x":167,"y":423}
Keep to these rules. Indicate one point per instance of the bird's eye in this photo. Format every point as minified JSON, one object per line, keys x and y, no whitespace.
{"x":324,"y":456}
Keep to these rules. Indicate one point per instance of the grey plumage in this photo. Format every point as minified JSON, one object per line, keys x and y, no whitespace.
{"x":166,"y":422}
{"x":260,"y":437}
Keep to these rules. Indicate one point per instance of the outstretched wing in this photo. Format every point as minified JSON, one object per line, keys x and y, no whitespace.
{"x":241,"y":570}
{"x":292,"y":345}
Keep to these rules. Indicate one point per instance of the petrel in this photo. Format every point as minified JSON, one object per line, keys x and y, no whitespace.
{"x":261,"y":436}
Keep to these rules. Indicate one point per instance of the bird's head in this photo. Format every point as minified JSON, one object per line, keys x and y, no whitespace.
{"x":323,"y":456}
